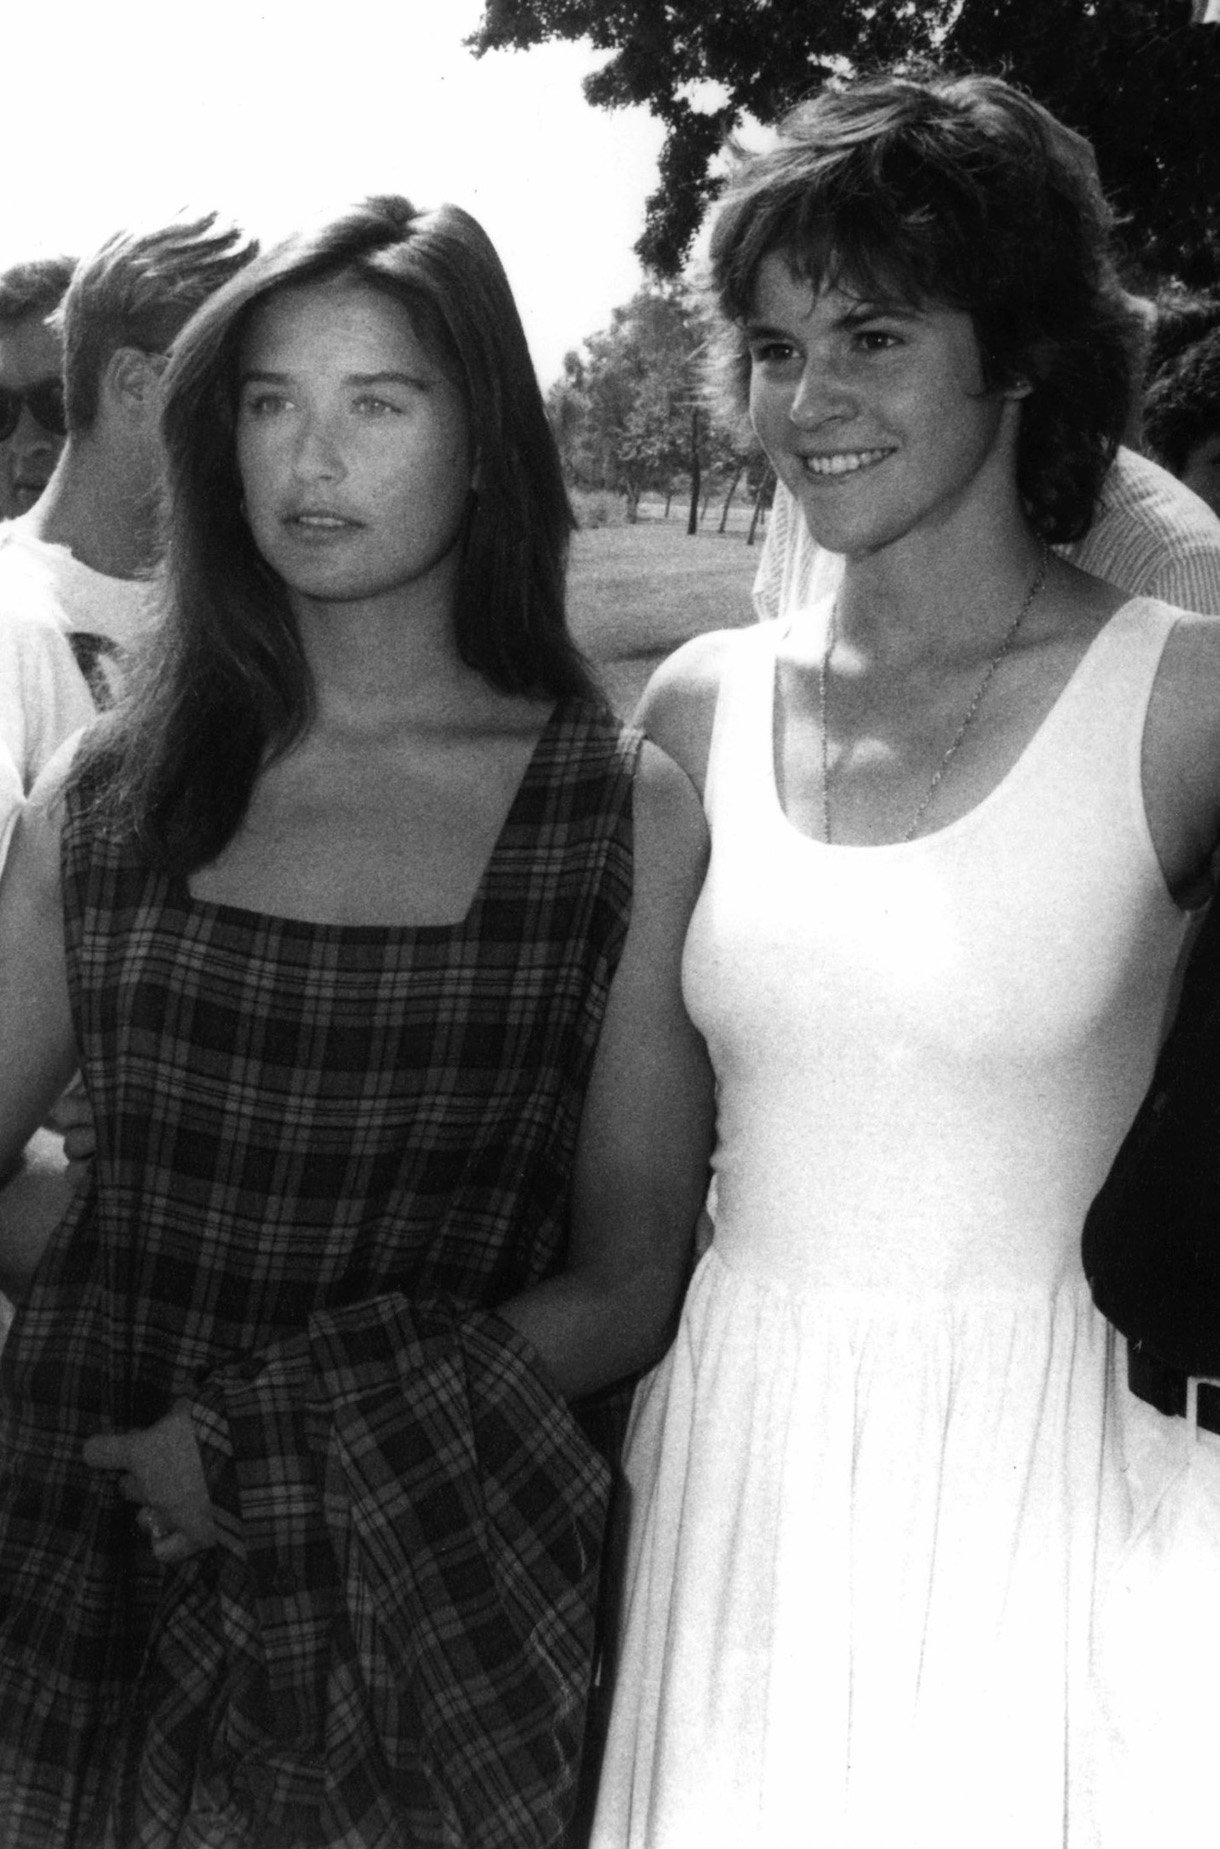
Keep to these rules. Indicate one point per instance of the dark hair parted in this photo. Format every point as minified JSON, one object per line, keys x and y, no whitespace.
{"x":34,"y":288}
{"x":960,"y":191}
{"x":1182,"y":407}
{"x":225,"y":688}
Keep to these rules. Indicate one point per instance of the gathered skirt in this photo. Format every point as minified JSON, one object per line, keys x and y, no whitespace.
{"x":865,"y":1536}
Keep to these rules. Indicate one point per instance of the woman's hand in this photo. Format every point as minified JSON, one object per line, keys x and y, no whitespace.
{"x":72,"y":1117}
{"x":163,"y":1471}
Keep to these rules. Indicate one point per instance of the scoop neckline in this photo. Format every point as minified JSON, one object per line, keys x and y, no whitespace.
{"x":1017,"y":771}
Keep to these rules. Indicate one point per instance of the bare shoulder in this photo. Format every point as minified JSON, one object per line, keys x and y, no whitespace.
{"x":679,"y":702}
{"x":1188,"y":679}
{"x":671,"y":836}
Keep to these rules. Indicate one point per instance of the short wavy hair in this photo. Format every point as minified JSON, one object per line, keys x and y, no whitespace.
{"x":959,"y":190}
{"x":34,"y":288}
{"x":1182,"y":406}
{"x":139,"y":290}
{"x":1180,"y":318}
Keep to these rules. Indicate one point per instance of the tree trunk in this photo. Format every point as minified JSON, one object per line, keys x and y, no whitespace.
{"x":692,"y":523}
{"x":754,"y":517}
{"x":728,"y":499}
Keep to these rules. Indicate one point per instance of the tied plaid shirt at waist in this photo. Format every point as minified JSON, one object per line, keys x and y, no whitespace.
{"x":391,"y":1641}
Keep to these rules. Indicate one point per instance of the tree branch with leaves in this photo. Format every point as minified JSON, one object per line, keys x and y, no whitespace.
{"x":1140,"y":78}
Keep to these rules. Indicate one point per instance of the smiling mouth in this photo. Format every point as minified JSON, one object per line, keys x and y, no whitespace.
{"x":844,"y":461}
{"x":318,"y":522}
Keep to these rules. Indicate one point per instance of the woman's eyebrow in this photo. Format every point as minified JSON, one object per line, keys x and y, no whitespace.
{"x":867,"y":308}
{"x":261,"y":376}
{"x":392,"y":377}
{"x":764,"y":330}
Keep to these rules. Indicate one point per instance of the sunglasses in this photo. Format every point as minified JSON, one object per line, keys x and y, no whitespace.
{"x":46,"y":401}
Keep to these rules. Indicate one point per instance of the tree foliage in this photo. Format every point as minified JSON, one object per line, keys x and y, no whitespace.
{"x":1135,"y":76}
{"x":630,"y":411}
{"x":634,"y":379}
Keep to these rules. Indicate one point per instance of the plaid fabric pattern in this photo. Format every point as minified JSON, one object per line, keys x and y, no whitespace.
{"x":324,"y":1155}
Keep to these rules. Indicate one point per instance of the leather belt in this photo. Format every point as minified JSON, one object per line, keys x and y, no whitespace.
{"x":1165,"y":1387}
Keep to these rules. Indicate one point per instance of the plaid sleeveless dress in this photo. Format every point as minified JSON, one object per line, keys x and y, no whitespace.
{"x":325,"y":1153}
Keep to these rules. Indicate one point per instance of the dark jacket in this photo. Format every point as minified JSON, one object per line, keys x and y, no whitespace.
{"x":1151,"y":1243}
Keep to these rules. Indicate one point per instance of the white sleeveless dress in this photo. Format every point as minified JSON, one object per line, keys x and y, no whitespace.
{"x":875,"y":1479}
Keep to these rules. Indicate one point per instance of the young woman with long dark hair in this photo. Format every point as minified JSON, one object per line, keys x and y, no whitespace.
{"x":362,"y":919}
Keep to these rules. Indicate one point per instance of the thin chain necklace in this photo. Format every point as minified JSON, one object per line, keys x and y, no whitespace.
{"x":1009,"y":637}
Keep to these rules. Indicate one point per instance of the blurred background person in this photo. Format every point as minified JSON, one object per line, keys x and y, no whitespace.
{"x":32,"y":428}
{"x":76,"y":595}
{"x":1180,"y":317}
{"x":1182,"y":413}
{"x":83,"y":553}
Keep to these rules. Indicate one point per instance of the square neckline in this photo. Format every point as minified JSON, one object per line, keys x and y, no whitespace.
{"x":285,"y":924}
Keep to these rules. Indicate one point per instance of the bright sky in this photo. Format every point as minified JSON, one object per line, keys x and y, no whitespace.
{"x":121,"y":112}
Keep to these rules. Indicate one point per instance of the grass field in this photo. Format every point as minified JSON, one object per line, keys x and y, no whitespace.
{"x":635,"y":592}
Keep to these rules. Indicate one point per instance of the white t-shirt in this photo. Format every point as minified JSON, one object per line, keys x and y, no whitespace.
{"x":43,"y":695}
{"x":1152,"y":538}
{"x":65,"y":633}
{"x":104,"y":618}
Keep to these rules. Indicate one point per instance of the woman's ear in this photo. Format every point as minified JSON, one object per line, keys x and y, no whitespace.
{"x":1032,"y":368}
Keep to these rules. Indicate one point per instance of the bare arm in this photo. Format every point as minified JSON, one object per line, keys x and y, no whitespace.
{"x":645,"y":1137}
{"x":678,"y":705}
{"x":37,"y":1043}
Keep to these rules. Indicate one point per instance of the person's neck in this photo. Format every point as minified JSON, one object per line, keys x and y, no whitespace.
{"x":380,"y":666}
{"x":925,"y":600}
{"x":87,"y":506}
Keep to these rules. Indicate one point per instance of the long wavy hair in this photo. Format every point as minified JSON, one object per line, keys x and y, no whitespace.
{"x":224,"y":687}
{"x":964,"y":192}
